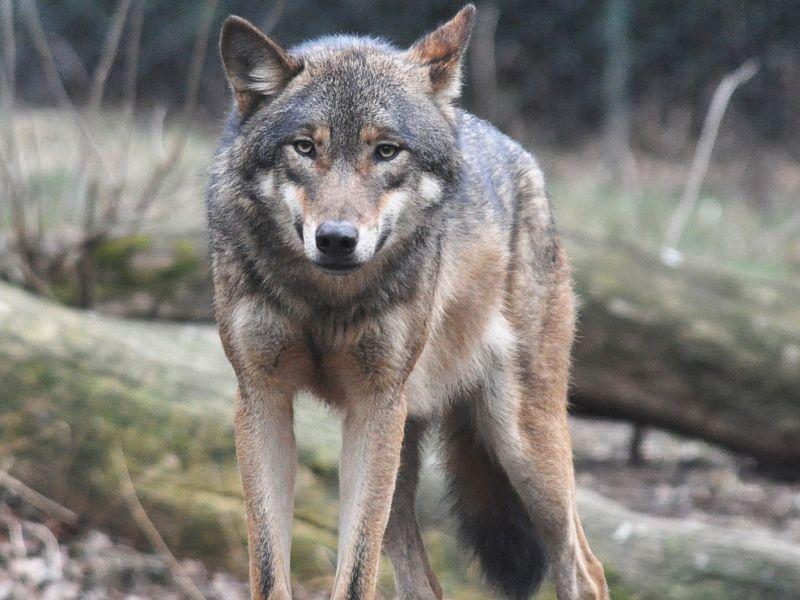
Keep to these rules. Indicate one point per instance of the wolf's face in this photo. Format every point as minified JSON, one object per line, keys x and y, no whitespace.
{"x":346,"y":142}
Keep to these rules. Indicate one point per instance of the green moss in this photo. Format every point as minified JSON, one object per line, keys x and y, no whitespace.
{"x":71,"y":421}
{"x":313,"y":551}
{"x":186,"y":266}
{"x":117,"y":254}
{"x":617,"y":586}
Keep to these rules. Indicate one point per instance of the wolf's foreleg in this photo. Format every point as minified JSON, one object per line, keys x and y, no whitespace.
{"x":414,"y":578}
{"x":267,"y":455}
{"x":372,"y":436}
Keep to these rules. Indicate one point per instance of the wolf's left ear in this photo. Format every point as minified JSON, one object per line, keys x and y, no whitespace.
{"x":442,"y":51}
{"x":256,"y":66}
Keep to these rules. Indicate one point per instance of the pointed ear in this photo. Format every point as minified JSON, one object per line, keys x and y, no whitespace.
{"x":256,"y":66}
{"x":442,"y":51}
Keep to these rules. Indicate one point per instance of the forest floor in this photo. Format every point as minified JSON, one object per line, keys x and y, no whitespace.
{"x":682,"y":478}
{"x":41,"y":558}
{"x":677,"y":478}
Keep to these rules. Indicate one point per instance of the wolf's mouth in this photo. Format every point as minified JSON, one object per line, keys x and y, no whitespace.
{"x":338,"y":268}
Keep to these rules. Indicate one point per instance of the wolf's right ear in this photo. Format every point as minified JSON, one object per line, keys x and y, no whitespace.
{"x":256,"y":66}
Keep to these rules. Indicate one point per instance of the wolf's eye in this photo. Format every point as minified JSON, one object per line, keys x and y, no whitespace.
{"x":386,"y":151}
{"x":304,"y":147}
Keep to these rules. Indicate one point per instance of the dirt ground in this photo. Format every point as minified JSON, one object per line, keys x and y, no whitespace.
{"x":684,"y":479}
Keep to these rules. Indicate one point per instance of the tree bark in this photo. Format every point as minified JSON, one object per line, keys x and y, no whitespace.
{"x":691,"y":349}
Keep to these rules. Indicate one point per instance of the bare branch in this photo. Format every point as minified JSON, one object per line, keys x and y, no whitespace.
{"x":275,"y":14}
{"x":10,"y":169}
{"x":131,"y":73}
{"x":484,"y":69}
{"x":34,"y":24}
{"x":11,"y":162}
{"x":153,"y":186}
{"x":107,"y":55}
{"x":199,"y":57}
{"x":9,"y":48}
{"x":55,"y":564}
{"x":167,"y":164}
{"x":132,"y":56}
{"x":14,"y":526}
{"x":702,"y":155}
{"x":31,"y":14}
{"x":146,"y":525}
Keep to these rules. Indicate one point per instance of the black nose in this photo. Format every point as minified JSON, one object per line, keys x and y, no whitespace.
{"x":337,"y":238}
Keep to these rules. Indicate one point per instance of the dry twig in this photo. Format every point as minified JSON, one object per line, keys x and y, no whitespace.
{"x":37,"y":500}
{"x":107,"y":55}
{"x":55,"y":565}
{"x":34,"y":23}
{"x":10,"y":157}
{"x":702,"y":155}
{"x":273,"y":16}
{"x":15,"y":537}
{"x":132,"y":56}
{"x":146,"y":525}
{"x":199,"y":57}
{"x":484,"y":68}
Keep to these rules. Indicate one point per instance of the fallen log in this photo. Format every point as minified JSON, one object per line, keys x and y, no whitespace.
{"x":75,"y":387}
{"x":672,"y":559}
{"x":692,"y":349}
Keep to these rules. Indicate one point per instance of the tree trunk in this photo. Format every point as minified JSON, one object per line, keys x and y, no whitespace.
{"x":694,"y":350}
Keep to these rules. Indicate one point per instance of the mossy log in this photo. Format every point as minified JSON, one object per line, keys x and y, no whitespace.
{"x":693,"y":349}
{"x":74,"y":386}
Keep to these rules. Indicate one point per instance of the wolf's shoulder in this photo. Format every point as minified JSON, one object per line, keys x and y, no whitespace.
{"x":496,"y":168}
{"x":481,"y":141}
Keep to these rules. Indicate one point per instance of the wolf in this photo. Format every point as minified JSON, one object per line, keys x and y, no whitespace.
{"x":377,"y":247}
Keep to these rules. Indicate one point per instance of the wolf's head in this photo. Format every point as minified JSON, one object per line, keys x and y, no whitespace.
{"x":346,"y":142}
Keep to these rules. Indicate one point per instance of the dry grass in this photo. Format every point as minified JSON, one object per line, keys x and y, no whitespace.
{"x":729,"y":226}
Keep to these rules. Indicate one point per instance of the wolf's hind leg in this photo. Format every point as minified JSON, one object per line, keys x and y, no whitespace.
{"x":402,"y":541}
{"x":524,"y":419}
{"x":541,"y":471}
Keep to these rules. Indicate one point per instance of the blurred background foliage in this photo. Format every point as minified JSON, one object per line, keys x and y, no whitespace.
{"x":627,"y":82}
{"x":549,"y":56}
